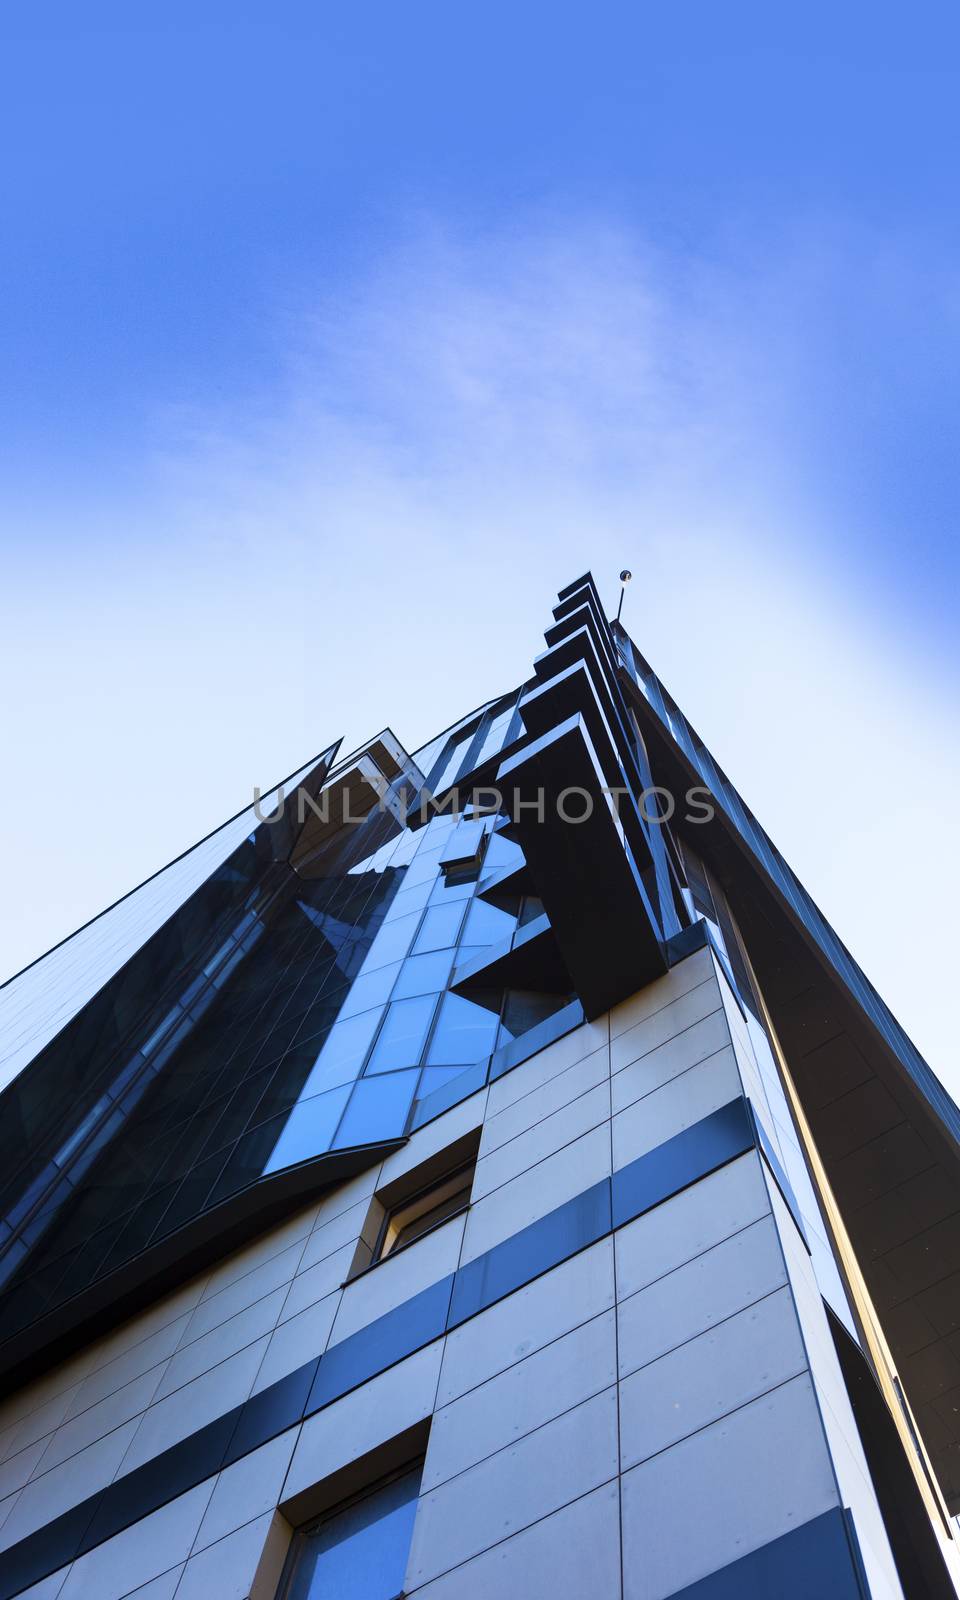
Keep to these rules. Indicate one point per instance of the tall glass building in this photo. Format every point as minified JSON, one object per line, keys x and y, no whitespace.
{"x":477,"y":1171}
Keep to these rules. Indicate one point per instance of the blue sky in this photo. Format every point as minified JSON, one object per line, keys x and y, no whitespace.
{"x":336,"y":339}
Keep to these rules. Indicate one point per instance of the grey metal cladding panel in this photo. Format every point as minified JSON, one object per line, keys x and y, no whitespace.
{"x":692,"y":1222}
{"x":382,"y":1343}
{"x":818,"y":1558}
{"x":542,"y":1312}
{"x":700,"y":1293}
{"x":717,"y":1372}
{"x":544,"y":1244}
{"x":522,"y":1398}
{"x":558,"y":1463}
{"x":733,"y":1486}
{"x":525,"y":1260}
{"x":571,"y":1553}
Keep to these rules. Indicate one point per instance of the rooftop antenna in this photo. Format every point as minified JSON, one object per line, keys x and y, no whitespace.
{"x":625,"y":577}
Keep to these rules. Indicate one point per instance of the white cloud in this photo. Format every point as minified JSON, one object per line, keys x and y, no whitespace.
{"x":376,"y":537}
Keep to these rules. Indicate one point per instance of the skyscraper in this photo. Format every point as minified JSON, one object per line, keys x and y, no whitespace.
{"x":478,"y":1171}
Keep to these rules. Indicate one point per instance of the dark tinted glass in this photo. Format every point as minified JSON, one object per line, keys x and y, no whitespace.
{"x":296,"y":1003}
{"x":524,"y":1008}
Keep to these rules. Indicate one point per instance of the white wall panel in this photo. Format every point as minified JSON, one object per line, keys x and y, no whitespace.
{"x":724,"y":1492}
{"x":571,"y":1554}
{"x":527,"y":1320}
{"x":524,"y":1397}
{"x":560,"y":1462}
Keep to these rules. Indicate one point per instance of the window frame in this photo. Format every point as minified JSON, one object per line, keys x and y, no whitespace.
{"x":384,"y":1251}
{"x":299,"y":1544}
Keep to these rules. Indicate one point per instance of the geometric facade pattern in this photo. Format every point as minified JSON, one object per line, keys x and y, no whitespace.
{"x":478,"y":1169}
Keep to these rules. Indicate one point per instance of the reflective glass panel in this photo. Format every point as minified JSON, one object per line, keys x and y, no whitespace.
{"x":487,"y":924}
{"x":392,"y":941}
{"x":360,"y":1551}
{"x":412,"y":899}
{"x":424,"y":974}
{"x":440,"y":927}
{"x":494,"y":737}
{"x":501,"y":853}
{"x":400,"y":1040}
{"x":444,"y":892}
{"x":370,"y":989}
{"x":343,"y":1051}
{"x":465,"y":841}
{"x":464,"y":1032}
{"x":309,"y":1129}
{"x":445,"y":774}
{"x":433,"y":1078}
{"x":378,"y":1109}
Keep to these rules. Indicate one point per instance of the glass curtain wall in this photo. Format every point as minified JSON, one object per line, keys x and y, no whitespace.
{"x":278,"y":1016}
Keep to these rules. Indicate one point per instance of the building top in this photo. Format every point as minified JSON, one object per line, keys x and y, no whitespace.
{"x":299,"y":992}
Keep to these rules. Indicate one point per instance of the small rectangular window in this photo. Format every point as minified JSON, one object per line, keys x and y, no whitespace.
{"x":463,"y":852}
{"x":358,"y":1550}
{"x":414,"y":1217}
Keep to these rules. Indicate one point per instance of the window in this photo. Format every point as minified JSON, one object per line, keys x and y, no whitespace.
{"x":450,"y":762}
{"x":424,"y":974}
{"x":359,"y":1550}
{"x":378,"y":1109}
{"x":487,"y":925}
{"x":523,"y":1009}
{"x":400,"y":1040}
{"x":416,"y":1216}
{"x":439,"y":928}
{"x":392,"y":941}
{"x":341,"y":1055}
{"x":464,"y":1033}
{"x":462,"y":853}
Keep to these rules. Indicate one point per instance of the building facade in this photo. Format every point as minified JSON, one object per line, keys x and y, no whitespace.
{"x":477,"y":1171}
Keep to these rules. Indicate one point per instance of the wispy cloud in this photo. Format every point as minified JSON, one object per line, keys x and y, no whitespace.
{"x":375,"y":534}
{"x":504,"y":377}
